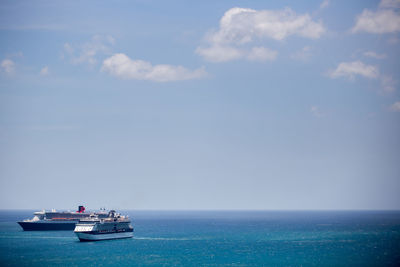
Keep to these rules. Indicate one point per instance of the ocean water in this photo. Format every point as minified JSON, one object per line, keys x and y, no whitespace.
{"x":217,"y":238}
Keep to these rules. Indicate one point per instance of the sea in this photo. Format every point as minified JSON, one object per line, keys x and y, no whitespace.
{"x":216,"y":238}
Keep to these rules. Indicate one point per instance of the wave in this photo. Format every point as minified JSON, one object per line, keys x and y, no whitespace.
{"x":36,"y":237}
{"x":169,"y":238}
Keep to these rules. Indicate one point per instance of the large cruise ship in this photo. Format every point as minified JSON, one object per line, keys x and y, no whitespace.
{"x":56,"y":220}
{"x":94,"y":228}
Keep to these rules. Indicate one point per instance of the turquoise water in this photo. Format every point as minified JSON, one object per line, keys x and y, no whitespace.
{"x":264,"y":238}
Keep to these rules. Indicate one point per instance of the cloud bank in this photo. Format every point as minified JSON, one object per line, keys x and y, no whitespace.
{"x":240,"y":27}
{"x":121,"y":66}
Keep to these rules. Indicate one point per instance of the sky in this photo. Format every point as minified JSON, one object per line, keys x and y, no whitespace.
{"x":200,"y":105}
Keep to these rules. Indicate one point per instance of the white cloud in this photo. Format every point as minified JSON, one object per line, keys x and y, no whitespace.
{"x":18,"y":54}
{"x":44,"y":71}
{"x":304,"y":54}
{"x":240,"y":26}
{"x":350,"y":69}
{"x":385,"y":20}
{"x":219,"y":53}
{"x":388,"y":84}
{"x":316,"y":111}
{"x":89,"y":52}
{"x":262,"y":54}
{"x":324,"y":4}
{"x":389,"y":4}
{"x":8,"y":66}
{"x":395,"y":107}
{"x":374,"y":55}
{"x":393,"y":40}
{"x":228,"y":53}
{"x":68,"y":48}
{"x":121,"y":66}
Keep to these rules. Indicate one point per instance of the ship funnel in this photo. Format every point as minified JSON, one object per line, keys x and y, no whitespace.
{"x":111,"y":214}
{"x":81,"y":209}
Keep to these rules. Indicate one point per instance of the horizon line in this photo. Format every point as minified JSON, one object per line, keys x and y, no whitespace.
{"x":209,"y":210}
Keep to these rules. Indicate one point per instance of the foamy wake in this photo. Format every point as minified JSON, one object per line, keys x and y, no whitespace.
{"x":168,"y":238}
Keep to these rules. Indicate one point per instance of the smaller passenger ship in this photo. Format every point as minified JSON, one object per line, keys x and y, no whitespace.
{"x":94,"y":228}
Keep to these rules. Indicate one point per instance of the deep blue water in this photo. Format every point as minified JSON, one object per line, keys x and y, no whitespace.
{"x":256,"y":238}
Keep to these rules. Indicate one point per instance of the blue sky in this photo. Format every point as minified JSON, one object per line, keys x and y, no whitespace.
{"x":201,"y":105}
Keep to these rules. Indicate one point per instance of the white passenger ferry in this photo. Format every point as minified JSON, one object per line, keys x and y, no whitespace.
{"x":94,"y":228}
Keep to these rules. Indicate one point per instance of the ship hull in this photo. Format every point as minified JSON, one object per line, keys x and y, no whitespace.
{"x":88,"y":237}
{"x":48,"y":226}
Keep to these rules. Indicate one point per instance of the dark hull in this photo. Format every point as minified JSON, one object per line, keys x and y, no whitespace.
{"x":48,"y":226}
{"x":100,"y":236}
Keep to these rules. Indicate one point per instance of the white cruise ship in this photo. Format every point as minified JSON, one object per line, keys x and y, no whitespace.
{"x":57,"y":220}
{"x":94,"y":228}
